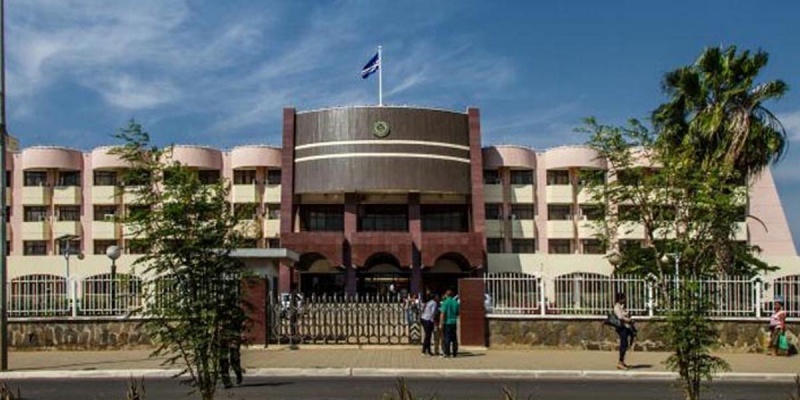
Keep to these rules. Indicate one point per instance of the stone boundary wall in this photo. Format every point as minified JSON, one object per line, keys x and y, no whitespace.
{"x":591,"y":334}
{"x":76,"y":334}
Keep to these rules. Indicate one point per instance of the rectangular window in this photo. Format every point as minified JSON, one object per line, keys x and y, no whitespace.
{"x":628,"y":244}
{"x":664,"y":213}
{"x":34,"y":248}
{"x":630,"y":177}
{"x":592,"y":246}
{"x":322,"y":218}
{"x":74,"y":246}
{"x":494,"y":245}
{"x":383,"y":218}
{"x":69,"y":213}
{"x":522,"y":177}
{"x":559,"y":213}
{"x":135,"y":246}
{"x":273,"y":211}
{"x":274,"y":243}
{"x":68,"y":178}
{"x":523,"y":246}
{"x":35,"y":178}
{"x":592,"y":213}
{"x":249,"y":243}
{"x":105,"y":178}
{"x":557,"y":177}
{"x":491,"y":177}
{"x":208,"y":176}
{"x":137,"y":211}
{"x":244,"y":177}
{"x":629,"y":213}
{"x":138,"y":177}
{"x":273,"y":177}
{"x":105,"y":213}
{"x":34,"y":213}
{"x":522,"y":211}
{"x":100,"y":246}
{"x":493,"y":211}
{"x":444,"y":218}
{"x":560,"y":246}
{"x":591,"y":177}
{"x":245,"y":211}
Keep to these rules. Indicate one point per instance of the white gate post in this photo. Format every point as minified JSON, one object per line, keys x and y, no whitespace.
{"x":542,"y":298}
{"x":757,"y":287}
{"x":650,"y":300}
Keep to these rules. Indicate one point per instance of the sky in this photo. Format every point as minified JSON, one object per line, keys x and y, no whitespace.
{"x":218,"y":73}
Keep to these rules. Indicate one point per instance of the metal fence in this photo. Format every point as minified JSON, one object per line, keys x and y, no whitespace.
{"x":589,"y":294}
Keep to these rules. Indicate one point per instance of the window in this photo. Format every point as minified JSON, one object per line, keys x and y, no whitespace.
{"x":444,"y":218}
{"x":35,"y":178}
{"x":494,"y":245}
{"x":560,"y":246}
{"x":244,"y":177}
{"x":592,"y":213}
{"x":592,"y":246}
{"x":208,"y":176}
{"x":322,"y":218}
{"x":69,"y":213}
{"x":139,"y":177}
{"x":557,"y":177}
{"x":558,"y":213}
{"x":105,"y":213}
{"x":137,"y":211}
{"x":591,"y":177}
{"x":249,"y":244}
{"x":105,"y":178}
{"x":630,"y":177}
{"x":8,"y":213}
{"x":245,"y":211}
{"x":8,"y":178}
{"x":629,"y":213}
{"x":273,"y":243}
{"x":522,"y":211}
{"x":35,"y":213}
{"x":491,"y":177}
{"x":664,"y":213}
{"x":523,"y":177}
{"x":34,"y":248}
{"x":69,"y":178}
{"x":273,"y":211}
{"x":523,"y":246}
{"x":628,"y":244}
{"x":494,"y":211}
{"x":383,"y":218}
{"x":100,"y":246}
{"x":135,"y":246}
{"x":274,"y":177}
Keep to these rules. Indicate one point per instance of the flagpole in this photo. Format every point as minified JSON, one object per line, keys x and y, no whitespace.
{"x":380,"y":77}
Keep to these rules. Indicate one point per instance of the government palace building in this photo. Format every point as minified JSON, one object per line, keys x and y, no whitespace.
{"x":356,"y":200}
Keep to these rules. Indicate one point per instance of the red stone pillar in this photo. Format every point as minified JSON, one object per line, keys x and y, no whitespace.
{"x":285,"y":277}
{"x":257,"y":295}
{"x":415,"y":228}
{"x":350,"y":227}
{"x":473,"y":316}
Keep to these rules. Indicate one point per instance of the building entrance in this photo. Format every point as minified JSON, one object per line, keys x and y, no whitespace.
{"x":445,"y":273}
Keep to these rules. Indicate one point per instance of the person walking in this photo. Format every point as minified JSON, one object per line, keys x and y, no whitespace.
{"x":448,"y":319}
{"x":428,"y":322}
{"x":777,"y":325}
{"x":624,"y":330}
{"x":231,"y":355}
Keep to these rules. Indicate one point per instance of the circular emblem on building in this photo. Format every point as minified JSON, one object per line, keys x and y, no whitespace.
{"x":380,"y":129}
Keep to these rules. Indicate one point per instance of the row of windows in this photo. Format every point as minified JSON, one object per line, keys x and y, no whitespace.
{"x":555,"y":246}
{"x":112,"y":178}
{"x":391,"y":218}
{"x":39,"y":247}
{"x":109,"y":212}
{"x":517,"y":177}
{"x":494,"y":211}
{"x":555,"y":177}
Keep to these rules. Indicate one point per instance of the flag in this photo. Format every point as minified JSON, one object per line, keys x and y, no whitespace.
{"x":371,"y":67}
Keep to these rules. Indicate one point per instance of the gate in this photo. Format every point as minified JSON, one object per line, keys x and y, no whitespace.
{"x":340,"y":319}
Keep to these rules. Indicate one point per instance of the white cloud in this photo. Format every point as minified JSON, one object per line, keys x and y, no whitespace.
{"x":791,"y":122}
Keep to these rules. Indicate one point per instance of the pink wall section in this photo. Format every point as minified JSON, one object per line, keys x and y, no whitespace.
{"x":773,"y":236}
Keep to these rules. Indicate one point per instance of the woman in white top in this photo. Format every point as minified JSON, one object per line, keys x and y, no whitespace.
{"x":624,"y":330}
{"x":777,"y":325}
{"x":428,"y":320}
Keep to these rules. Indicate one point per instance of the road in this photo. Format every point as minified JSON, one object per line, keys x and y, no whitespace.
{"x":374,"y":389}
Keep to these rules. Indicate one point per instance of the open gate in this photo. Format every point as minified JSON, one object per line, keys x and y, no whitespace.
{"x":341,"y":319}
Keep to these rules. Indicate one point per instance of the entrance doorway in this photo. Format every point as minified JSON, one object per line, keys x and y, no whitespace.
{"x":382,"y":274}
{"x":445,"y":273}
{"x":318,"y":276}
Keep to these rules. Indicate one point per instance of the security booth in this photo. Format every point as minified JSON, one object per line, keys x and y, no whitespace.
{"x":262,"y":288}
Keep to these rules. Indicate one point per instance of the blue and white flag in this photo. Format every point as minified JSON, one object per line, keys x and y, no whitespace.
{"x":372,"y":66}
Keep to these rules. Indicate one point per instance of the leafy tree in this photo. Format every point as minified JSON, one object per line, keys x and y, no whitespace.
{"x":195,"y":307}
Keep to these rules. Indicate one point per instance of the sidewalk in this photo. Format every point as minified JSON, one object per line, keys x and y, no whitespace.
{"x":394,"y":361}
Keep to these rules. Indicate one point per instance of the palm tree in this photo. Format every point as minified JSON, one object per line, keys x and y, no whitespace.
{"x":716,"y":112}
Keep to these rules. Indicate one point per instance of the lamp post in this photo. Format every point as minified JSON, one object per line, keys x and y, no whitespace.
{"x":67,"y":251}
{"x":113,"y":252}
{"x":677,"y":257}
{"x":3,"y":155}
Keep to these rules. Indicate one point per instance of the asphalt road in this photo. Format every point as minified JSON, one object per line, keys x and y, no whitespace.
{"x":375,"y":388}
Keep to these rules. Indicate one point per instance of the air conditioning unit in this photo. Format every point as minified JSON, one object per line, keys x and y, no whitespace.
{"x":109,"y":217}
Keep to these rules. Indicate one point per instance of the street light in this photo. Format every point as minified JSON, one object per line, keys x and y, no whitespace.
{"x":113,"y":252}
{"x":677,"y":257}
{"x":615,"y":259}
{"x":67,"y":251}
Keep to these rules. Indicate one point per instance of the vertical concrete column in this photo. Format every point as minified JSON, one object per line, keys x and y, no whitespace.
{"x":415,"y":228}
{"x":473,"y":315}
{"x":287,"y":188}
{"x":16,"y":188}
{"x":261,"y":208}
{"x":86,"y":205}
{"x":505,"y":179}
{"x":476,"y":177}
{"x":350,"y":228}
{"x":52,"y":179}
{"x":574,"y":209}
{"x":541,"y":204}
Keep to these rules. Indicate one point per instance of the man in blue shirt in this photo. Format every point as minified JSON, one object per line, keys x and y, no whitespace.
{"x":448,"y":319}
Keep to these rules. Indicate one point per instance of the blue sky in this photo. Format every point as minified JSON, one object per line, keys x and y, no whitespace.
{"x":219,"y":72}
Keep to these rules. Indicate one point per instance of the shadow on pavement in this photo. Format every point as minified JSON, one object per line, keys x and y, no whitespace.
{"x":640,"y":366}
{"x":87,"y":366}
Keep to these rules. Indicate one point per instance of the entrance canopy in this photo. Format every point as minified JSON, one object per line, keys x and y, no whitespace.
{"x":265,"y":262}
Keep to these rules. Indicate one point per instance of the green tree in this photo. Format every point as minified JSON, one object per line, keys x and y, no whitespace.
{"x":195,"y":305}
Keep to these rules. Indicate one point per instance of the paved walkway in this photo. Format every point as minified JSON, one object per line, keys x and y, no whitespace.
{"x":307,"y":359}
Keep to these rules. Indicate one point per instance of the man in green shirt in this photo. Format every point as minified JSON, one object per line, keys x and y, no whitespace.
{"x":448,"y":318}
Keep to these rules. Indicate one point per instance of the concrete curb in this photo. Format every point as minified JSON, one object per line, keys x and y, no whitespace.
{"x":409,"y":373}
